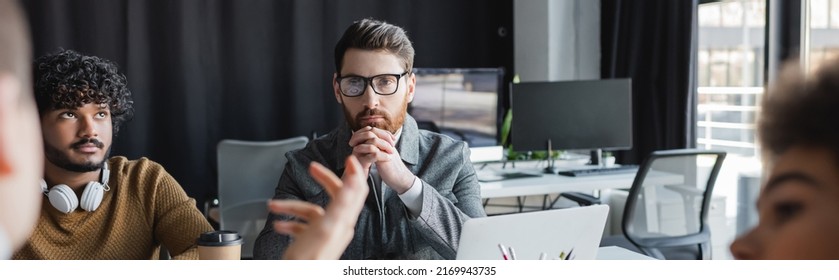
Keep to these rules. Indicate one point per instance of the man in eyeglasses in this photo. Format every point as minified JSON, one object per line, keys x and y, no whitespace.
{"x":422,"y":184}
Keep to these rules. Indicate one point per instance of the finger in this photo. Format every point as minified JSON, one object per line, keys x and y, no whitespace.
{"x":305,"y":210}
{"x":328,"y":180}
{"x":368,"y":134}
{"x":354,"y":170}
{"x":355,"y":179}
{"x":384,"y":134}
{"x":289,"y":227}
{"x":366,"y":166}
{"x":380,"y":146}
{"x":385,"y":146}
{"x":362,"y":136}
{"x":346,"y":208}
{"x":369,"y":154}
{"x":366,"y":148}
{"x":8,"y":90}
{"x":366,"y":160}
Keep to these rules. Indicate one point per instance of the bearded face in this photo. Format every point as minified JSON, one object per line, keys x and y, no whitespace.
{"x":369,"y":108}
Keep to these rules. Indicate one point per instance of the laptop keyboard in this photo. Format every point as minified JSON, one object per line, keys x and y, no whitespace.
{"x":621,"y":169}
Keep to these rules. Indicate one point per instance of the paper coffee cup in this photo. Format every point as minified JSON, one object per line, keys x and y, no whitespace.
{"x":220,"y":245}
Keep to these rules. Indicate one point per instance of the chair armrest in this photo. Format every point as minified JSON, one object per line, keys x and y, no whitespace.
{"x":580,"y":198}
{"x":703,"y":236}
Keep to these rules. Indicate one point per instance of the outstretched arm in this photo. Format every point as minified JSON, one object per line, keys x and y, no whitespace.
{"x":324,"y":234}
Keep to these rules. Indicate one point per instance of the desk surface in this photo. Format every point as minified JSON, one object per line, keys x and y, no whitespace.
{"x":618,"y":253}
{"x":552,"y":183}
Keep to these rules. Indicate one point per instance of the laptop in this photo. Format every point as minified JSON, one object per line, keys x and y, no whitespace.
{"x":552,"y":232}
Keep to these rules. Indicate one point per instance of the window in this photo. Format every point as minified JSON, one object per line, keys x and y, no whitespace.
{"x":730,"y":63}
{"x":824,"y":32}
{"x":730,"y":74}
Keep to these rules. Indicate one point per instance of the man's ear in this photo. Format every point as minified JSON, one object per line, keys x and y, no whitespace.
{"x":9,"y":100}
{"x":336,"y":89}
{"x":411,"y":81}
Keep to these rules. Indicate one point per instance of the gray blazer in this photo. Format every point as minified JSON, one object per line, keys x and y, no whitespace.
{"x":385,"y":229}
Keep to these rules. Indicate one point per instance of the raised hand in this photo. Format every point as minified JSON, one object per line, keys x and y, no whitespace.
{"x":319,"y":233}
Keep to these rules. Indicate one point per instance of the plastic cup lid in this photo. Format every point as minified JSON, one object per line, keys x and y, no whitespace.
{"x":219,"y":238}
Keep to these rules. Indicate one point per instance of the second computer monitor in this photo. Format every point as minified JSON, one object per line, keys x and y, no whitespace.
{"x":461,"y":103}
{"x":574,"y":115}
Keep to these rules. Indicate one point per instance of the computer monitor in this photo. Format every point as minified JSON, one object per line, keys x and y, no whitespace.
{"x":572,"y":115}
{"x":462,"y":103}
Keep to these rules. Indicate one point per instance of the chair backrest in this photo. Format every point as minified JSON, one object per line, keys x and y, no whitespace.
{"x":672,"y":218}
{"x":248,"y":173}
{"x":428,"y":125}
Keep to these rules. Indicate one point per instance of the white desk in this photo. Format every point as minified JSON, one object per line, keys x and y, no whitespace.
{"x":618,"y":253}
{"x":552,"y":183}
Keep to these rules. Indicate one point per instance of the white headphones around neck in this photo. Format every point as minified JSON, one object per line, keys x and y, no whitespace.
{"x":64,"y":199}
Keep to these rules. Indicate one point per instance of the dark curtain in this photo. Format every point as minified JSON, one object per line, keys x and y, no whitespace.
{"x":788,"y":29}
{"x":206,"y":70}
{"x":783,"y":35}
{"x":654,"y":44}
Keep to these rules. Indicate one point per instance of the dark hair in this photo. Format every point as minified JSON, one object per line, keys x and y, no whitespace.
{"x":67,"y":79}
{"x":371,"y":34}
{"x":801,"y":110}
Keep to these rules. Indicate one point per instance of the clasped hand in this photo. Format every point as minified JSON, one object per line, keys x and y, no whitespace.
{"x":377,"y":146}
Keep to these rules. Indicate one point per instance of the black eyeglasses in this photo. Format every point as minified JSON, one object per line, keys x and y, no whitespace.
{"x":384,"y":84}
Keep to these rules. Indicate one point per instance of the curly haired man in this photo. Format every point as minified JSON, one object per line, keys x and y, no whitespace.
{"x":97,"y":206}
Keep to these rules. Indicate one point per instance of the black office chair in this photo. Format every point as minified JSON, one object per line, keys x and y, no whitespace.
{"x":668,"y":178}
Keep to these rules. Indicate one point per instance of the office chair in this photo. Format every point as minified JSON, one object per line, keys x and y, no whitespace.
{"x":248,"y":173}
{"x":428,"y":125}
{"x":651,"y":227}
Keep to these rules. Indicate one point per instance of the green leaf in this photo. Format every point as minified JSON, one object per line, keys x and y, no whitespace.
{"x":505,"y":128}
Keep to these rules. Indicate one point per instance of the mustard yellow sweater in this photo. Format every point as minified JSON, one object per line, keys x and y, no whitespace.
{"x":145,"y":208}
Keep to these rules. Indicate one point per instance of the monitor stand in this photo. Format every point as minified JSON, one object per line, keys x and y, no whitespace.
{"x":551,"y":168}
{"x":596,"y":157}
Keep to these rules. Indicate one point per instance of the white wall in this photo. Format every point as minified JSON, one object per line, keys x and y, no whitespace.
{"x":557,"y":39}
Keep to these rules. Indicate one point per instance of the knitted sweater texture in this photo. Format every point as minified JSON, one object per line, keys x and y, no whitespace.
{"x":144,"y":209}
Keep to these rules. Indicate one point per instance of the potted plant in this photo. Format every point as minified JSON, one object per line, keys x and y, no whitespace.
{"x":608,"y":159}
{"x":513,"y":155}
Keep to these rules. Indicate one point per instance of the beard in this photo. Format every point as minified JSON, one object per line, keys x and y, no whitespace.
{"x":389,"y":123}
{"x":60,"y":159}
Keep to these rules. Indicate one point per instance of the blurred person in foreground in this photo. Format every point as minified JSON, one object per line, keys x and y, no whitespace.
{"x":799,"y":203}
{"x":324,"y":234}
{"x":21,"y":153}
